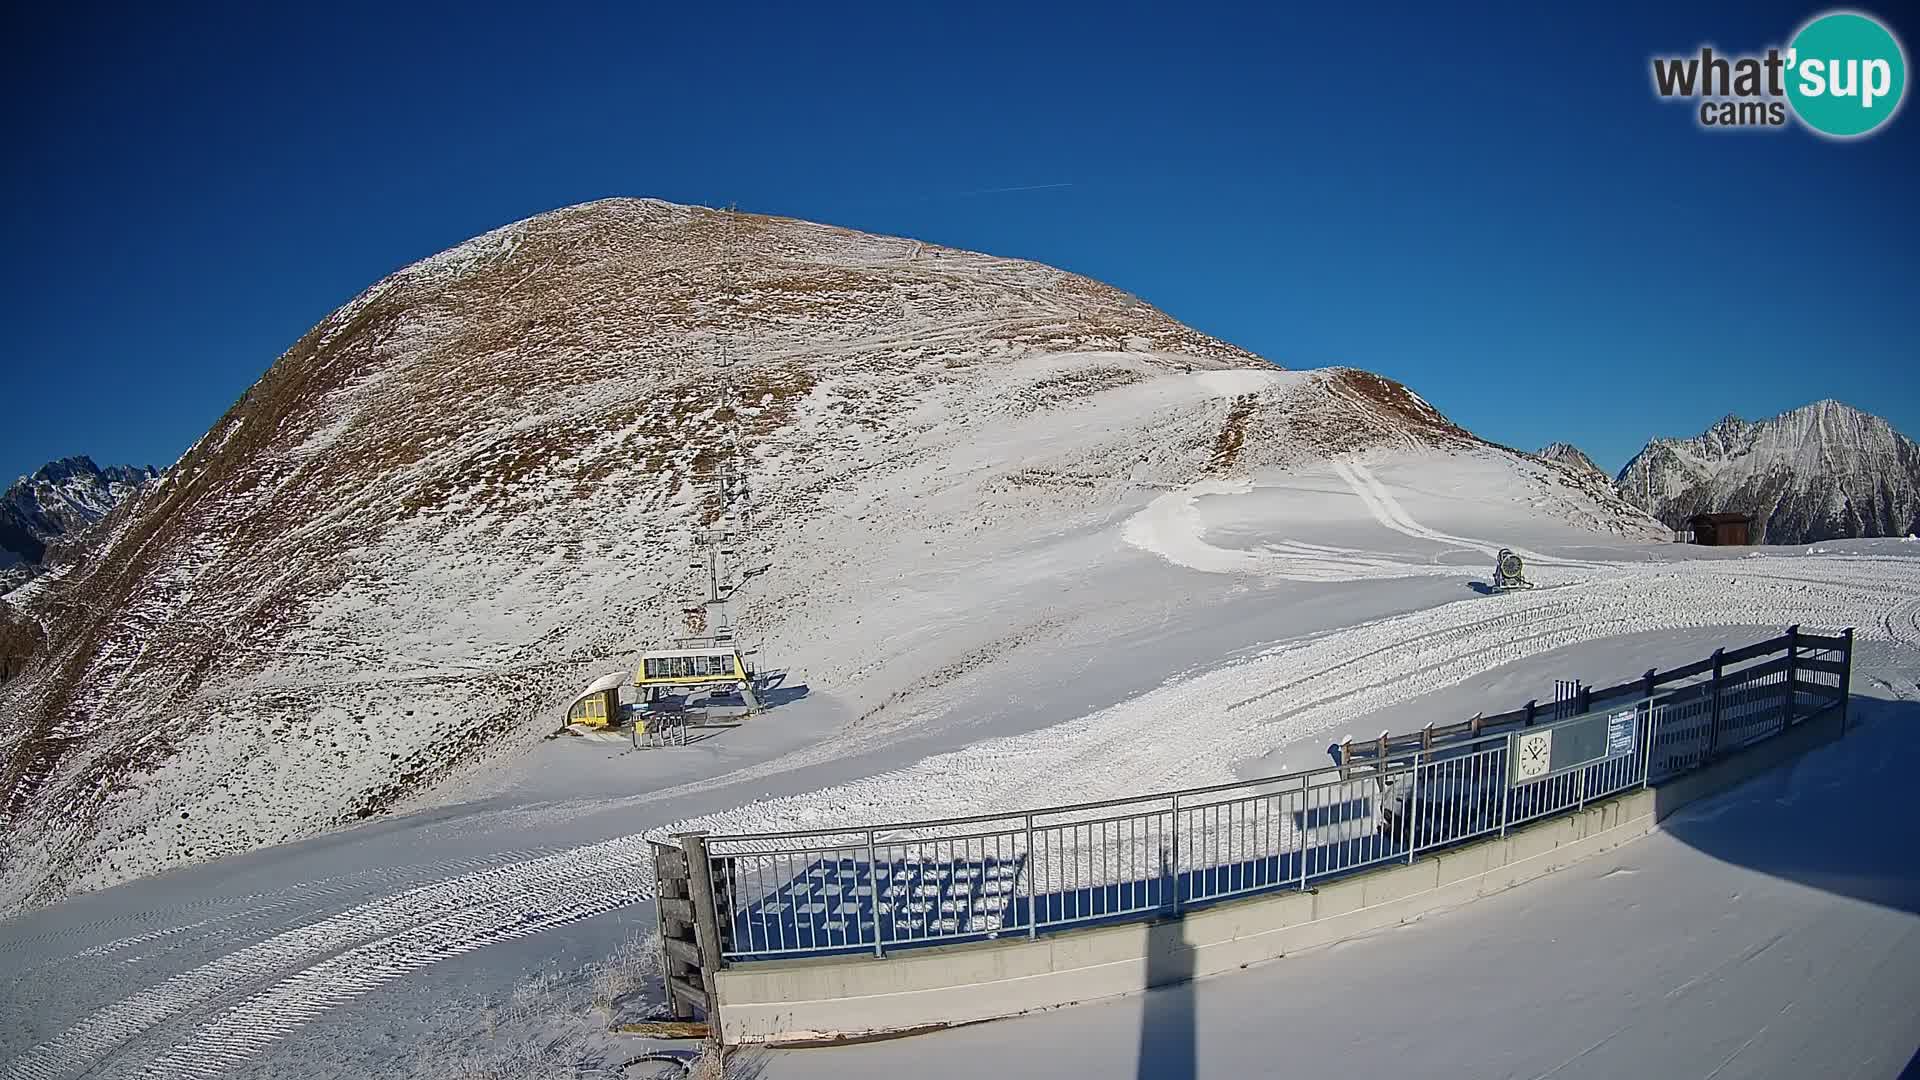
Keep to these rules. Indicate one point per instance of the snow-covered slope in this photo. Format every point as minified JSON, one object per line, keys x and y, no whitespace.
{"x":1576,"y":473}
{"x":1230,"y":626}
{"x":473,"y":488}
{"x":1820,"y":472}
{"x":58,"y":500}
{"x":1572,"y":457}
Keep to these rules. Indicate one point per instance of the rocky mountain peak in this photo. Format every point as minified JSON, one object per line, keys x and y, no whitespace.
{"x":1571,"y":456}
{"x":1822,"y":471}
{"x":57,"y":501}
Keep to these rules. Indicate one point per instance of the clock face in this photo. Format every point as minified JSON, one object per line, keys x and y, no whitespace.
{"x":1533,"y":754}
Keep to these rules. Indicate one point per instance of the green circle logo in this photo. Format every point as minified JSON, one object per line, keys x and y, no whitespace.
{"x":1846,"y":74}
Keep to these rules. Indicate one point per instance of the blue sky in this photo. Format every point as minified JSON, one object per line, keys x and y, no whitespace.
{"x":1487,"y":204}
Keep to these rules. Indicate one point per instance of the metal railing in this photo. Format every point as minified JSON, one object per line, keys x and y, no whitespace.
{"x":656,"y":729}
{"x":887,"y":887}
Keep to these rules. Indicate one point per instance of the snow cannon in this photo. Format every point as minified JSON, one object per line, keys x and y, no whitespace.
{"x":1509,"y":572}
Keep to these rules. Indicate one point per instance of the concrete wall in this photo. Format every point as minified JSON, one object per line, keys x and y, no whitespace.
{"x":829,"y":999}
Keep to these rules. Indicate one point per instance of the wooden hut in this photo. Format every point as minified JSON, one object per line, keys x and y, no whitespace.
{"x":1724,"y":530}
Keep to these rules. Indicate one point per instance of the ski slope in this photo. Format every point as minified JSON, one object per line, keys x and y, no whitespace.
{"x":1213,"y":631}
{"x":1279,"y":528}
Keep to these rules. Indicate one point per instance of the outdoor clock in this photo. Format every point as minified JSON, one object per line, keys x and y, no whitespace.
{"x":1534,"y":753}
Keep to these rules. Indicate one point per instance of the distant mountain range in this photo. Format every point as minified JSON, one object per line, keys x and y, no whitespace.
{"x":1820,"y":472}
{"x":57,"y":501}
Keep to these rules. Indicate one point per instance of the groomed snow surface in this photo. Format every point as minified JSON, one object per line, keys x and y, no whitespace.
{"x":1233,"y":628}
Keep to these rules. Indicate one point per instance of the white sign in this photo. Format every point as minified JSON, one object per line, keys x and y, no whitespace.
{"x":1533,"y":752}
{"x":1621,"y":727}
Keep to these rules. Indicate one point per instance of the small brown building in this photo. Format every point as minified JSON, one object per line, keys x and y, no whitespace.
{"x":1727,"y":530}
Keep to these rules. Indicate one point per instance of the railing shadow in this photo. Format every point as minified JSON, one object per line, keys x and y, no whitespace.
{"x":1168,"y":1045}
{"x":1167,"y":1049}
{"x":1839,"y":818}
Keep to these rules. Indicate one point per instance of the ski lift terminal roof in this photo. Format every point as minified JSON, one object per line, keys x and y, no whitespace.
{"x":610,"y":681}
{"x":725,"y":648}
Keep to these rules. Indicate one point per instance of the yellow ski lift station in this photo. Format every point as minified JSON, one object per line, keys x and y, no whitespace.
{"x":698,"y":666}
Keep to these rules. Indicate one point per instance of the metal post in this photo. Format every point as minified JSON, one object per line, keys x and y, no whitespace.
{"x":1033,"y":913}
{"x":1413,"y":811}
{"x":1174,"y":885}
{"x":1506,"y":788}
{"x":1300,"y":834}
{"x":1793,"y":673}
{"x":1652,"y":684}
{"x":1713,"y":728}
{"x":1646,"y":757}
{"x":1846,"y":677}
{"x":873,"y":875}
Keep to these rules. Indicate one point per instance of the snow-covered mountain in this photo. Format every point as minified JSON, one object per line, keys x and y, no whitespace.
{"x":474,"y":487}
{"x":56,"y":501}
{"x":1819,"y":472}
{"x":1572,"y":457}
{"x":1577,"y":474}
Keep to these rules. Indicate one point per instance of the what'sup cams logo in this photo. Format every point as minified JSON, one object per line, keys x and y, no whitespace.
{"x":1843,"y":75}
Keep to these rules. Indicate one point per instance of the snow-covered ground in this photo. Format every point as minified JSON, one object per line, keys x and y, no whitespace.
{"x":1187,"y":635}
{"x":1773,"y":931}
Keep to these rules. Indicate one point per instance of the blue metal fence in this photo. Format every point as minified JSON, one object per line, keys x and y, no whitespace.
{"x":885,"y":888}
